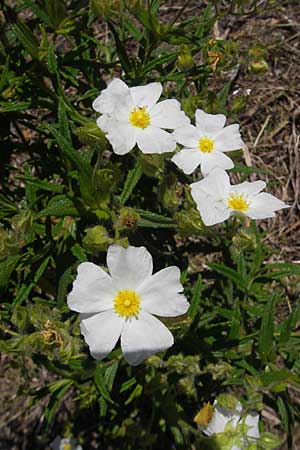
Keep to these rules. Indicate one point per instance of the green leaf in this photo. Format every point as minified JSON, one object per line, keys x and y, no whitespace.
{"x":196,"y":298}
{"x":26,"y":37}
{"x":137,"y":392}
{"x":6,"y":107}
{"x":223,"y":94}
{"x":234,"y":332}
{"x":246,"y":170}
{"x":229,"y":273}
{"x":154,"y":217}
{"x":63,"y":285}
{"x":79,"y":253}
{"x":60,"y":205}
{"x":124,"y":59}
{"x":101,"y":384}
{"x":25,"y":289}
{"x":280,"y":270}
{"x":110,"y":375}
{"x":144,"y":223}
{"x":63,"y":122}
{"x":266,"y":338}
{"x":132,"y":179}
{"x":42,"y":184}
{"x":58,"y":389}
{"x":283,"y":413}
{"x":40,"y":13}
{"x":127,"y":384}
{"x":6,"y":268}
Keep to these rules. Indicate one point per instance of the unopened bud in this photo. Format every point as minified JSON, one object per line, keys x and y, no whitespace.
{"x":91,"y":133}
{"x":269,"y":441}
{"x":227,"y":401}
{"x":185,"y":60}
{"x":128,"y":219}
{"x":259,"y":67}
{"x":96,"y":239}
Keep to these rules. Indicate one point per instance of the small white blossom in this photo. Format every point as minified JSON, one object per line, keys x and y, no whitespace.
{"x":205,"y":143}
{"x":217,"y":199}
{"x":122,"y":304}
{"x":64,"y":444}
{"x":132,"y":116}
{"x":228,"y":420}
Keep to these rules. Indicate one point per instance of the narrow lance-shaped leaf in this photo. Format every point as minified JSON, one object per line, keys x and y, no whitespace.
{"x":195,"y":302}
{"x":266,"y":339}
{"x":132,"y":179}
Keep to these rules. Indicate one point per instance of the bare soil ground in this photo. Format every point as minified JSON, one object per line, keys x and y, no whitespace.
{"x":271,"y":130}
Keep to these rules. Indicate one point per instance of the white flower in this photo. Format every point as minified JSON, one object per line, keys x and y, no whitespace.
{"x":221,"y":417}
{"x":225,"y":419}
{"x":217,"y":199}
{"x":122,"y":304}
{"x":205,"y":143}
{"x":132,"y":116}
{"x":64,"y":444}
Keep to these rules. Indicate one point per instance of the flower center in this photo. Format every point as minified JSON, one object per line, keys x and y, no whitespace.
{"x":206,"y":144}
{"x":237,"y":202}
{"x":67,"y":446}
{"x":127,"y":303}
{"x":139,"y":117}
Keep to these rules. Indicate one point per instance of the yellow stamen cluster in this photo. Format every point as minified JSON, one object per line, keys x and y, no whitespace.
{"x":237,"y":202}
{"x":204,"y":416}
{"x":67,"y":446}
{"x":206,"y":144}
{"x":139,"y":117}
{"x":127,"y":303}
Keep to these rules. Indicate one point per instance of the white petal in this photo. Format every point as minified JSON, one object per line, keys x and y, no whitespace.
{"x":263,"y":206}
{"x":167,"y":114}
{"x":188,"y":159}
{"x":228,"y":139}
{"x":213,"y":160}
{"x":216,"y":184}
{"x":249,"y":188}
{"x":187,"y":136}
{"x":160,"y":296}
{"x":143,"y":336}
{"x":155,"y":140}
{"x":209,"y":195}
{"x":209,"y":123}
{"x":210,"y":211}
{"x":146,"y":95}
{"x":101,"y":332}
{"x":92,"y":291}
{"x":115,"y":99}
{"x":252,"y":421}
{"x":220,"y":418}
{"x":122,"y":136}
{"x":129,"y":267}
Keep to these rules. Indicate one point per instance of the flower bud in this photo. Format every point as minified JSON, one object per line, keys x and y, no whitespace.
{"x":128,"y":219}
{"x":91,"y":133}
{"x":269,"y":441}
{"x":189,"y":223}
{"x":185,"y":60}
{"x":96,"y":239}
{"x":227,"y":401}
{"x":259,"y":67}
{"x":22,"y":222}
{"x":187,"y":386}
